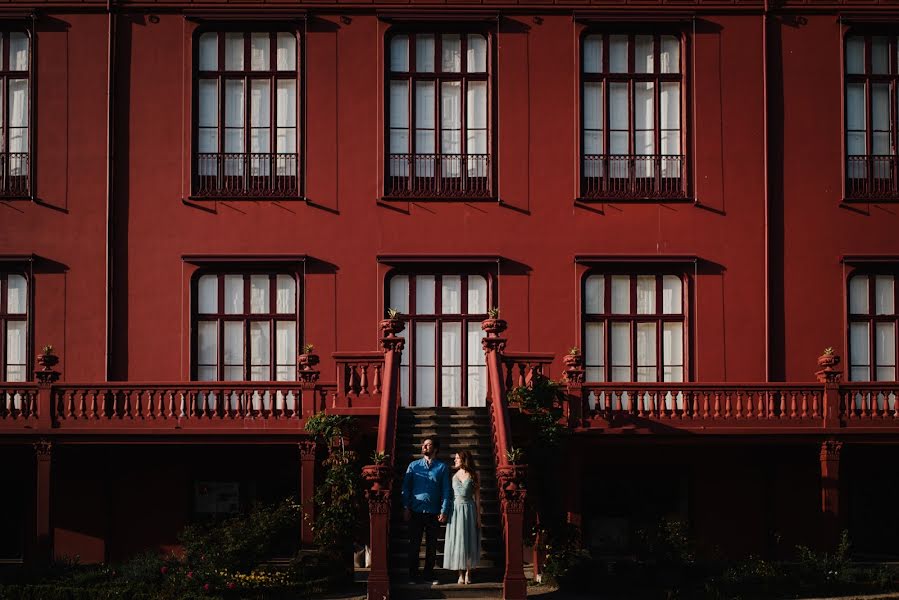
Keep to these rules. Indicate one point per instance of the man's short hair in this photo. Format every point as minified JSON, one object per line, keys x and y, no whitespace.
{"x":435,"y":441}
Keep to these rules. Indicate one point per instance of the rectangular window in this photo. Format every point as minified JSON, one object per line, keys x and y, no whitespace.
{"x":13,"y":327}
{"x":246,"y":327}
{"x":870,"y":118}
{"x":634,"y":327}
{"x":438,"y":115}
{"x":632,"y":105}
{"x":15,"y":114}
{"x":247,"y":114}
{"x":443,"y":363}
{"x":872,"y":327}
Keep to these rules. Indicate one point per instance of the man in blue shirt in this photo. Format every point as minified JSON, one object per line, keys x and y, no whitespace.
{"x":426,"y":500}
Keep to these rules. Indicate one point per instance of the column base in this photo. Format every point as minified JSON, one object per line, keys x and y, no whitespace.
{"x":515,"y":588}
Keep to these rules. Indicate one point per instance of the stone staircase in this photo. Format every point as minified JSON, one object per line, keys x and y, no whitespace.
{"x":458,"y":429}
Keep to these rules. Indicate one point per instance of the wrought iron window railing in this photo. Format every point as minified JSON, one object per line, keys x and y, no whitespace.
{"x":15,"y":174}
{"x":438,"y":176}
{"x":633,"y":177}
{"x":871,"y":177}
{"x":247,"y":175}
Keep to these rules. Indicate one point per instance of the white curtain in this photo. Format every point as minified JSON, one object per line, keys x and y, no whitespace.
{"x":477,"y":53}
{"x":287,"y":294}
{"x":618,"y":53}
{"x":673,"y":351}
{"x":646,"y":294}
{"x":451,"y":364}
{"x":207,"y":350}
{"x":259,"y":294}
{"x":855,"y":55}
{"x":399,"y":126}
{"x":399,"y":53}
{"x":669,"y":105}
{"x":672,"y":295}
{"x":883,"y":295}
{"x":859,"y":357}
{"x":18,"y":51}
{"x":646,"y":351}
{"x":398,"y":295}
{"x":425,"y":364}
{"x":286,"y":120}
{"x":207,"y":294}
{"x":451,"y":47}
{"x":260,"y":51}
{"x":856,"y":138}
{"x":885,"y":351}
{"x":858,"y":295}
{"x":234,"y":51}
{"x":594,"y":294}
{"x":643,"y":54}
{"x":621,"y":351}
{"x":286,"y":350}
{"x":593,"y":126}
{"x":18,"y":118}
{"x":287,"y":52}
{"x":209,"y":52}
{"x":619,"y":119}
{"x":16,"y":295}
{"x":234,"y":304}
{"x":16,"y":337}
{"x":880,"y":55}
{"x":451,"y":294}
{"x":404,"y":370}
{"x":425,"y":121}
{"x":477,"y":295}
{"x":425,"y":295}
{"x":644,"y":127}
{"x":424,"y":53}
{"x":669,"y":57}
{"x":260,"y":351}
{"x":595,"y":351}
{"x":477,"y":370}
{"x":234,"y":351}
{"x":621,"y":294}
{"x":593,"y":54}
{"x":476,"y":114}
{"x":451,"y":127}
{"x":234,"y":125}
{"x":207,"y":124}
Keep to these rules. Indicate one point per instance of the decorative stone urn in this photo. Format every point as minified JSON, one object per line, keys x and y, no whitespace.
{"x":827,"y":367}
{"x":307,"y":361}
{"x":391,"y":327}
{"x":494,"y":326}
{"x":47,"y":359}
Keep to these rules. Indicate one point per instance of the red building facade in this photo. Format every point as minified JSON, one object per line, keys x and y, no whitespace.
{"x":699,"y":194}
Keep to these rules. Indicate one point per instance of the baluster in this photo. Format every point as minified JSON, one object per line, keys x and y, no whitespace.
{"x":376,"y":378}
{"x":895,"y":406}
{"x":739,"y":414}
{"x":793,"y":404}
{"x":70,"y":403}
{"x":762,"y":405}
{"x":727,"y":408}
{"x":705,"y":405}
{"x":717,"y":409}
{"x":82,"y":404}
{"x":193,"y":398}
{"x":689,"y":407}
{"x":816,"y":405}
{"x":804,"y":406}
{"x":770,"y":396}
{"x":637,"y":399}
{"x":522,"y":380}
{"x":126,"y":396}
{"x":363,"y":379}
{"x":607,"y":406}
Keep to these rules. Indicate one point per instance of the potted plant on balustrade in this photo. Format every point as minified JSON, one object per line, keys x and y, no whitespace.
{"x":393,"y":324}
{"x":47,"y":358}
{"x":493,"y":325}
{"x":307,"y":360}
{"x":574,"y":359}
{"x":334,"y":431}
{"x":380,"y":471}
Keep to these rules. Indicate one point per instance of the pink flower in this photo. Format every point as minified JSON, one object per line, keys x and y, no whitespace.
{"x":207,"y":586}
{"x":164,"y":570}
{"x":231,"y":585}
{"x":190,"y":574}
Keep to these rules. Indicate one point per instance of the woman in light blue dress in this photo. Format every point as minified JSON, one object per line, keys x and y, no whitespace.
{"x":462,"y":551}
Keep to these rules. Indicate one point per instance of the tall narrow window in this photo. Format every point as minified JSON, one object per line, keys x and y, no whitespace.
{"x":247,"y":114}
{"x":872,"y":327}
{"x":438,"y":115}
{"x":632,"y":141}
{"x":634,"y":327}
{"x":15,"y":114}
{"x":14,"y":327}
{"x":871,"y":109}
{"x":443,"y":363}
{"x":245,"y":327}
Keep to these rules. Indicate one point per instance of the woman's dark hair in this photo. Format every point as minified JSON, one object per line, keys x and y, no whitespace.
{"x":467,"y":464}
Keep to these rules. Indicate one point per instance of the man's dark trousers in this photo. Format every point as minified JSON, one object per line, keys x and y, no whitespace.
{"x":423,"y":523}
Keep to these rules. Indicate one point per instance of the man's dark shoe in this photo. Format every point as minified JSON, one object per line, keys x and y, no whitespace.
{"x":430,"y":578}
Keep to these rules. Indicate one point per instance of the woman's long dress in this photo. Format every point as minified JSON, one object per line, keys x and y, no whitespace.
{"x":463,"y":536}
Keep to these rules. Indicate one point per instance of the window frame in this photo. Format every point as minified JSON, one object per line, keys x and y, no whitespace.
{"x":221,"y":317}
{"x":25,"y":189}
{"x":438,"y":76}
{"x":6,"y":317}
{"x":247,"y":74}
{"x":659,"y":318}
{"x":683,"y":190}
{"x":872,"y":318}
{"x":463,"y":317}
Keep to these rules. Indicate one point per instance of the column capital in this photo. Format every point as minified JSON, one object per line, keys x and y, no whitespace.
{"x":393,"y":344}
{"x":513,"y":487}
{"x":307,"y":449}
{"x":493,"y":344}
{"x":43,"y":449}
{"x":831,"y":449}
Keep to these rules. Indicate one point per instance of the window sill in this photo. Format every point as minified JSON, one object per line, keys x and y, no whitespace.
{"x":873,"y":200}
{"x":464,"y":199}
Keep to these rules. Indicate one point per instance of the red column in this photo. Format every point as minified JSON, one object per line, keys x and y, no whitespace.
{"x":379,"y":478}
{"x":829,"y":375}
{"x":43,"y":540}
{"x":512,"y":497}
{"x":307,"y":490}
{"x":830,"y":488}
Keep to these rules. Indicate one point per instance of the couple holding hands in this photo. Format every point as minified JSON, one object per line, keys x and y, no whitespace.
{"x":431,"y":497}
